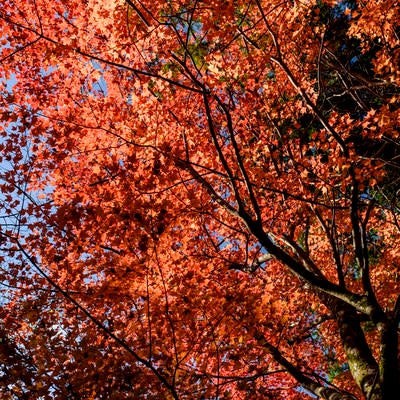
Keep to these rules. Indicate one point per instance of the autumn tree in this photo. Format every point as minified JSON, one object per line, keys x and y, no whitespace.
{"x":199,"y":199}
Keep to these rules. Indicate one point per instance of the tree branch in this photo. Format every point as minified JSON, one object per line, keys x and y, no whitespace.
{"x":323,"y":392}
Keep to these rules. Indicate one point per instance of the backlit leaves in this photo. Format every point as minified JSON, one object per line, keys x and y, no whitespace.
{"x":199,"y":199}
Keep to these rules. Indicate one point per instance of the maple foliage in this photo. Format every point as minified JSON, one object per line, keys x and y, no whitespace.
{"x":199,"y":199}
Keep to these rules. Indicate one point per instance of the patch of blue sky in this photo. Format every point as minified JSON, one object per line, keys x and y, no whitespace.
{"x":101,"y":82}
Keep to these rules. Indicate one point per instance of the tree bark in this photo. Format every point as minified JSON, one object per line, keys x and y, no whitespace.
{"x":389,"y":367}
{"x":363,"y":366}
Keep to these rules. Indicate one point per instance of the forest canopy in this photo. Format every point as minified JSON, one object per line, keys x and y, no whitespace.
{"x":199,"y":199}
